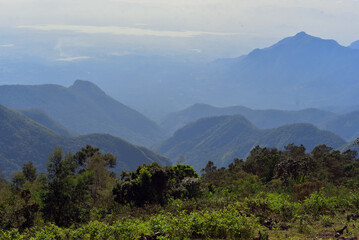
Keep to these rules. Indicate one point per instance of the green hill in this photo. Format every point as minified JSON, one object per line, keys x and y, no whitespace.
{"x":83,"y":108}
{"x":23,"y":140}
{"x":221,"y":139}
{"x":346,"y":126}
{"x":261,"y":118}
{"x":42,"y":118}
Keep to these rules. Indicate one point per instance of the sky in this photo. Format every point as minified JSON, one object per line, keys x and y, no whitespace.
{"x":74,"y":30}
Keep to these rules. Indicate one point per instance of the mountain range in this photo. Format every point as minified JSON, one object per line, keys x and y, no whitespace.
{"x":300,"y":71}
{"x":221,"y":139}
{"x":297,"y":72}
{"x":23,"y":140}
{"x":269,"y":118}
{"x":83,"y":108}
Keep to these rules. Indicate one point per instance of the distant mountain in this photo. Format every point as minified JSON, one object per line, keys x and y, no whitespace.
{"x":297,"y":72}
{"x":23,"y":140}
{"x":260,"y":118}
{"x":341,"y":109}
{"x":221,"y":139}
{"x":42,"y":118}
{"x":346,"y":126}
{"x":355,"y":45}
{"x":84,"y":108}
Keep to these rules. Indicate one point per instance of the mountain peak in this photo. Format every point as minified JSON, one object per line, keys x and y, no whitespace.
{"x":302,"y":34}
{"x":86,"y":86}
{"x":83,"y":83}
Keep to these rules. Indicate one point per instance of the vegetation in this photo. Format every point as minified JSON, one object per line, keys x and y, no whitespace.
{"x":23,"y":140}
{"x":280,"y":194}
{"x":223,"y":138}
{"x":264,"y":119}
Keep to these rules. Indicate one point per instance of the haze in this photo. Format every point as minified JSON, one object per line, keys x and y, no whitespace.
{"x":76,"y":30}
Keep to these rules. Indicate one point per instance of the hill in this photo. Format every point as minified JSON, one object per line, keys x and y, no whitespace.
{"x":23,"y":140}
{"x":42,"y":118}
{"x":221,"y":139}
{"x":83,"y":108}
{"x":346,"y":126}
{"x":260,"y":118}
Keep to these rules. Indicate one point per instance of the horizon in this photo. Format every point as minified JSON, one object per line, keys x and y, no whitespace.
{"x":212,"y":29}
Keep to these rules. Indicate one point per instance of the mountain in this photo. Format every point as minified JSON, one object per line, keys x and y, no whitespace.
{"x":260,"y":118}
{"x":42,"y":118}
{"x":346,"y":126}
{"x":83,"y":108}
{"x":221,"y":139}
{"x":297,"y":72}
{"x":23,"y":140}
{"x":138,"y":81}
{"x":355,"y":45}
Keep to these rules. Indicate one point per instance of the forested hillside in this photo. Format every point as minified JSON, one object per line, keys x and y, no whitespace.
{"x":220,"y":139}
{"x":23,"y":140}
{"x":269,"y":118}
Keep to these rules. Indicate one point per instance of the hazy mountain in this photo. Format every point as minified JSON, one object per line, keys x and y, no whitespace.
{"x":297,"y":72}
{"x":221,"y":139}
{"x":260,"y":118}
{"x":83,"y":108}
{"x":42,"y":118}
{"x":23,"y":140}
{"x":346,"y":126}
{"x":142,"y":82}
{"x":341,"y":109}
{"x":355,"y":45}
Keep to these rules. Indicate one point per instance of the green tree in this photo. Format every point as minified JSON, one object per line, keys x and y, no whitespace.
{"x":66,"y":194}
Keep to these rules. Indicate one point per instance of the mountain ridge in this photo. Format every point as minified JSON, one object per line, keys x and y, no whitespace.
{"x":84,"y":108}
{"x":223,"y":138}
{"x":23,"y":140}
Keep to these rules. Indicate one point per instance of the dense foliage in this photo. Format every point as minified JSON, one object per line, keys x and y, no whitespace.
{"x":283,"y":194}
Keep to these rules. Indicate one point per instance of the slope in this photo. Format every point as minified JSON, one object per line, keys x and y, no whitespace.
{"x":83,"y":108}
{"x":260,"y":118}
{"x":297,"y":72}
{"x":346,"y":126}
{"x":42,"y":118}
{"x":23,"y":140}
{"x":221,"y":139}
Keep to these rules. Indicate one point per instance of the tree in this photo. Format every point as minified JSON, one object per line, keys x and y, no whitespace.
{"x":152,"y":183}
{"x":262,"y":162}
{"x":66,"y":194}
{"x":29,"y":171}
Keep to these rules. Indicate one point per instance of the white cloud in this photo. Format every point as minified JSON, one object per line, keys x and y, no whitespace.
{"x":7,"y":45}
{"x":120,"y":54}
{"x":196,"y":50}
{"x":122,"y":31}
{"x":73,"y":59}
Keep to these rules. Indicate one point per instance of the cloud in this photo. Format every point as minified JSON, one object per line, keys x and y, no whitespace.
{"x":73,"y":59}
{"x":120,"y":54}
{"x":196,"y":50}
{"x":7,"y":45}
{"x":122,"y":31}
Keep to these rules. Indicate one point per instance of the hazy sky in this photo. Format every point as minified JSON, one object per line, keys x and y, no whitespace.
{"x":75,"y":29}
